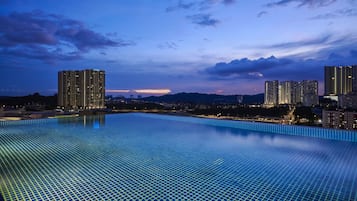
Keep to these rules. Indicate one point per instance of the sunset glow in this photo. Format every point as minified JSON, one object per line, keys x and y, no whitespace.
{"x":152,"y":91}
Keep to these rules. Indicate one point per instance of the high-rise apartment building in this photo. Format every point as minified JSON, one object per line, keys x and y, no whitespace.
{"x":271,"y":93}
{"x":348,"y":101}
{"x":291,"y":92}
{"x":339,"y":119}
{"x":285,"y":92}
{"x":340,"y":80}
{"x":83,"y":89}
{"x":309,"y":90}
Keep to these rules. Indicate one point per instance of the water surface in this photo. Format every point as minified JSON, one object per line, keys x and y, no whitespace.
{"x":157,"y":157}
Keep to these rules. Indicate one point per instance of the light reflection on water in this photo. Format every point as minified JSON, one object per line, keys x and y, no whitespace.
{"x":91,"y":121}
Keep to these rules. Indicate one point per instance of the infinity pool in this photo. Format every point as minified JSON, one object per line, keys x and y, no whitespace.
{"x":158,"y":157}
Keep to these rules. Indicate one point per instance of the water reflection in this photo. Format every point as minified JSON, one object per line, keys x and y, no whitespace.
{"x":87,"y":121}
{"x":326,"y":151}
{"x":268,"y":139}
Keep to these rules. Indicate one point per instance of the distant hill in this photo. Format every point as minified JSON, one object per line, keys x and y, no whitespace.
{"x":35,"y":99}
{"x":253,"y":99}
{"x":197,"y":98}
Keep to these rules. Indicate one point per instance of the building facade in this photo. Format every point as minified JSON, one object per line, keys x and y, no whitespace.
{"x":339,"y":119}
{"x":340,"y":80}
{"x":348,"y":101}
{"x":83,"y":89}
{"x":271,"y":93}
{"x":285,"y":92}
{"x":309,"y":92}
{"x":291,"y":93}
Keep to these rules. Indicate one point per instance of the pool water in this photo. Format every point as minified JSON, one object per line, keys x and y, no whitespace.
{"x":158,"y":157}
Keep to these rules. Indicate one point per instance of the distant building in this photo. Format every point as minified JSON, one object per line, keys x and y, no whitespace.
{"x":271,"y":95}
{"x":348,"y":101}
{"x":309,"y":92}
{"x":83,"y":89}
{"x":289,"y":92}
{"x":292,"y":92}
{"x":285,"y":92}
{"x":339,"y":119}
{"x":340,"y":80}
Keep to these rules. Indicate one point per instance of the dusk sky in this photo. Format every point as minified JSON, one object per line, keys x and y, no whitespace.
{"x":206,"y":46}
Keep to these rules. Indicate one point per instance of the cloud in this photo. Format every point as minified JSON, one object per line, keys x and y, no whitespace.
{"x":200,"y":19}
{"x":200,"y":5}
{"x":318,"y":47}
{"x":180,"y":5}
{"x":86,"y":40}
{"x":260,"y":14}
{"x":306,"y":42}
{"x":324,"y":16}
{"x":203,"y":20}
{"x":348,"y":12}
{"x":228,"y":2}
{"x":38,"y":35}
{"x":308,"y":64}
{"x":263,"y":68}
{"x":207,"y":4}
{"x":289,"y":67}
{"x":246,"y":67}
{"x":301,"y":3}
{"x":168,"y":45}
{"x":40,"y":53}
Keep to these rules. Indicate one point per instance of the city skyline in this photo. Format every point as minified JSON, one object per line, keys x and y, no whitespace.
{"x":206,"y":46}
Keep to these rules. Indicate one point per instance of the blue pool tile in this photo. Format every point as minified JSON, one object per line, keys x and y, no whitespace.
{"x":158,"y":157}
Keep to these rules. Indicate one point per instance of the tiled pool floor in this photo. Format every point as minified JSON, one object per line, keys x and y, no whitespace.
{"x":140,"y":157}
